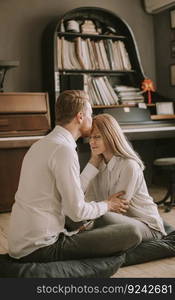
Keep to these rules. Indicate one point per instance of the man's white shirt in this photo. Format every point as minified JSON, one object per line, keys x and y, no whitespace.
{"x":49,"y":189}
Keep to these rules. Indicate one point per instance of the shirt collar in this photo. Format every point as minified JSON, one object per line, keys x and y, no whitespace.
{"x":110,"y":165}
{"x":59,"y":130}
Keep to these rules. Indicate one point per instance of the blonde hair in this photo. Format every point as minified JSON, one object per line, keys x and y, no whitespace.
{"x":69,"y":104}
{"x":114,"y":138}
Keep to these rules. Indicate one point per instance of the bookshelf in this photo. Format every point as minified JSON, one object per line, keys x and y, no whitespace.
{"x":93,"y":49}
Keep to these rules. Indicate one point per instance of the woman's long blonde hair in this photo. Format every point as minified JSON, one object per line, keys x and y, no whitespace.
{"x":114,"y":138}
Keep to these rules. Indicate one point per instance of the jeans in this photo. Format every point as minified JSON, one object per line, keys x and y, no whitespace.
{"x":111,"y":234}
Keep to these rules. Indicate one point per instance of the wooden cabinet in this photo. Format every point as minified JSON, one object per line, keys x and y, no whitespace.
{"x":24,"y":118}
{"x":90,"y":44}
{"x":12,"y":151}
{"x":24,"y":114}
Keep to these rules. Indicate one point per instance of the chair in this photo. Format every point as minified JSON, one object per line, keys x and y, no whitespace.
{"x":168,"y":164}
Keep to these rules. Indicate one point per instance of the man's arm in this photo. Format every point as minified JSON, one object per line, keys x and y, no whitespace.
{"x":117,"y":204}
{"x":65,"y":167}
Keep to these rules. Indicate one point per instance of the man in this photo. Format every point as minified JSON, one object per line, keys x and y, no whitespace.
{"x":50,"y":189}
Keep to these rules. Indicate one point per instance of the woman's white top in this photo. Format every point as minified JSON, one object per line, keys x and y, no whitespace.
{"x":122,"y":174}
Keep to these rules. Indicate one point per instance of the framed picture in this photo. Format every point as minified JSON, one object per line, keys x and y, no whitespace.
{"x":164,"y":108}
{"x":172,"y":18}
{"x":172,"y":48}
{"x":172,"y":75}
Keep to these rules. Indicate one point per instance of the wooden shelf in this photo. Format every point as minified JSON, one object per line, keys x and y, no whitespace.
{"x":112,"y":106}
{"x":119,"y":105}
{"x":152,"y":104}
{"x":162,"y":117}
{"x":96,"y":72}
{"x":92,"y":36}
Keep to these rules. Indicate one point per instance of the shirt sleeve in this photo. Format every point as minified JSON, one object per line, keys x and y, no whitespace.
{"x":129,"y":178}
{"x":88,"y":173}
{"x":90,"y":194}
{"x":66,"y":169}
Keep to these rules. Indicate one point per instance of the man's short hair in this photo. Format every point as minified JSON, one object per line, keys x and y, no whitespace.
{"x":69,"y":104}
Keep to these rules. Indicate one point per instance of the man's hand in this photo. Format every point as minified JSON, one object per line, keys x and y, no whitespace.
{"x":117,"y":204}
{"x":95,"y":159}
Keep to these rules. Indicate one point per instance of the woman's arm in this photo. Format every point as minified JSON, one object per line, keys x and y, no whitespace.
{"x":129,"y":178}
{"x":90,"y":171}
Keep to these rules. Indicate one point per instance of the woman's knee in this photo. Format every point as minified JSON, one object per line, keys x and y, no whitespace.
{"x":111,"y":218}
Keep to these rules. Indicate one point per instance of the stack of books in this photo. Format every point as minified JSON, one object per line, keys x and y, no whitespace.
{"x":88,"y":27}
{"x":129,"y":94}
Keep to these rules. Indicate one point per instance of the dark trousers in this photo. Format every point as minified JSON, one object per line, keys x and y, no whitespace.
{"x":100,"y":241}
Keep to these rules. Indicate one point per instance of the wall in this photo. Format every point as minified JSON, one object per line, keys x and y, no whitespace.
{"x":163,"y":36}
{"x":23,"y":22}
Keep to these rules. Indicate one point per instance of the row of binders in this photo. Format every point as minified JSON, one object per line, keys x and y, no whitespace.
{"x":101,"y":92}
{"x":89,"y":54}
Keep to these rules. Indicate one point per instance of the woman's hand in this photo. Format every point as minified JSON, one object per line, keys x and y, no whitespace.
{"x":95,"y":159}
{"x":117,"y":204}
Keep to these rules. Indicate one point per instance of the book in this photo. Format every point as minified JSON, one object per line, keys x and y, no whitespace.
{"x":79,"y":52}
{"x":105,"y":96}
{"x":85,"y":55}
{"x":73,"y":57}
{"x":124,"y":56}
{"x":110,"y":53}
{"x":66,"y":63}
{"x":95,"y":54}
{"x":99,"y":56}
{"x":117,"y":56}
{"x":91,"y":55}
{"x":104,"y":55}
{"x":112,"y":92}
{"x":59,"y":60}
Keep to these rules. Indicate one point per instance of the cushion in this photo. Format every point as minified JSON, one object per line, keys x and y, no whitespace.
{"x":91,"y":268}
{"x":152,"y":250}
{"x":84,"y":268}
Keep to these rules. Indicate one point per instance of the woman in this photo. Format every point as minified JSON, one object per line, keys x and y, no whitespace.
{"x":121,"y":169}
